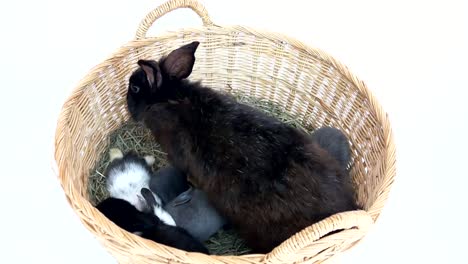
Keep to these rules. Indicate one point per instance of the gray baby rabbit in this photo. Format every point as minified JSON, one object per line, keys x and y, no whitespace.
{"x":168,"y":183}
{"x":335,"y":142}
{"x":193,"y":211}
{"x":189,"y":207}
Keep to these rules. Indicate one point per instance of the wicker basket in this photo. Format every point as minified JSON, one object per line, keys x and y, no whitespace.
{"x":307,"y":82}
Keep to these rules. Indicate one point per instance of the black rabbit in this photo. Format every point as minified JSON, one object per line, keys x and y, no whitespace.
{"x":147,"y":225}
{"x":126,"y":216}
{"x":267,"y":178}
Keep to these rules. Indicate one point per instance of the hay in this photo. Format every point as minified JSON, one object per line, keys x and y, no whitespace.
{"x":134,"y":136}
{"x":227,"y":242}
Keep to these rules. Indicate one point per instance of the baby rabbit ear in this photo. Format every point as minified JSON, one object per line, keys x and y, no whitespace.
{"x":148,"y":196}
{"x":115,"y":153}
{"x":179,"y":63}
{"x":152,"y":72}
{"x":149,"y":160}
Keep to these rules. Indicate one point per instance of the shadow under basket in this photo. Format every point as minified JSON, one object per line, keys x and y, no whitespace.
{"x":306,"y":82}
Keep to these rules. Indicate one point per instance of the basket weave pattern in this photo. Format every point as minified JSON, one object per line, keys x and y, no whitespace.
{"x":307,"y":82}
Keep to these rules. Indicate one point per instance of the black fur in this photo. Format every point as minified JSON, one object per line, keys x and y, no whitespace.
{"x":127,"y":217}
{"x":176,"y":237}
{"x":269,"y":179}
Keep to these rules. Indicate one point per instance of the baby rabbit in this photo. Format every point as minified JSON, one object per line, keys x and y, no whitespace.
{"x":268,"y":179}
{"x":189,"y":207}
{"x":147,"y":225}
{"x":126,"y":216}
{"x":335,"y":142}
{"x":173,"y":236}
{"x":168,"y":183}
{"x":127,"y":175}
{"x":192,"y":211}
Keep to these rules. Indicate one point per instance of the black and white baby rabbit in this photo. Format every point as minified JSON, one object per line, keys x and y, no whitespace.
{"x":147,"y":225}
{"x":127,"y":175}
{"x":173,"y":236}
{"x":335,"y":142}
{"x":193,"y":211}
{"x":268,"y":179}
{"x":167,"y":183}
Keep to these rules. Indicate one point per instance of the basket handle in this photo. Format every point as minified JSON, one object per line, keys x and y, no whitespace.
{"x":167,"y":7}
{"x":359,"y":221}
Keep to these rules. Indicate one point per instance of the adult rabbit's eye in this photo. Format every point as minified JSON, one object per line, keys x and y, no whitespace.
{"x":135,"y":88}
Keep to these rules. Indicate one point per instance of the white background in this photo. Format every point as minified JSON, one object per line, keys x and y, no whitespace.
{"x":412,"y":54}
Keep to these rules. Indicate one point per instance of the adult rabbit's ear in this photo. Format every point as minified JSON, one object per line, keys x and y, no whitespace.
{"x":152,"y":72}
{"x":179,"y":63}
